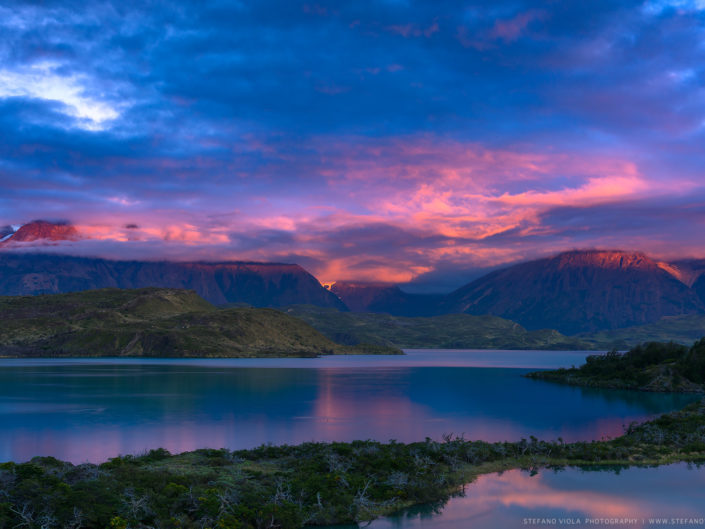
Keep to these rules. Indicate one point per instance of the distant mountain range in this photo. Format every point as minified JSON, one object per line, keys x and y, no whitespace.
{"x":221,"y":283}
{"x":573,"y":292}
{"x":580,"y":291}
{"x":386,"y":298}
{"x":256,"y":284}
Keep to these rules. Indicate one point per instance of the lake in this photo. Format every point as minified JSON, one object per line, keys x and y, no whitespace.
{"x":93,"y":409}
{"x":669,"y":496}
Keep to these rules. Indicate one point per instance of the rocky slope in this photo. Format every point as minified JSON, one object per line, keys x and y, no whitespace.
{"x":39,"y":230}
{"x":579,"y":291}
{"x":385,"y":298}
{"x":257,"y":284}
{"x":694,"y":270}
{"x":152,"y":322}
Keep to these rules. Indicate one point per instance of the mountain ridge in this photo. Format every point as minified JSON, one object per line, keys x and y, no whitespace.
{"x":360,"y":296}
{"x":221,"y":283}
{"x":579,"y":291}
{"x":39,"y":230}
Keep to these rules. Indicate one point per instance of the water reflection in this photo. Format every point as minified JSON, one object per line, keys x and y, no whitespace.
{"x":635,"y":496}
{"x":96,"y":410}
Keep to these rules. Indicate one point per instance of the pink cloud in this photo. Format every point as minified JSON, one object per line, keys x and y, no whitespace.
{"x":507,"y":30}
{"x":413,"y":30}
{"x":512,"y":29}
{"x":385,"y":210}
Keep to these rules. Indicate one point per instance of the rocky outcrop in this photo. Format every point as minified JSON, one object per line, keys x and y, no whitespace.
{"x":40,"y":230}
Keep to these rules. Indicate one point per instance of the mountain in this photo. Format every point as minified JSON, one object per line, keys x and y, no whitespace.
{"x":6,"y":232}
{"x":694,"y":272}
{"x":450,"y":331}
{"x":39,"y":230}
{"x":223,"y":283}
{"x":385,"y":298}
{"x":579,"y":291}
{"x":152,"y":322}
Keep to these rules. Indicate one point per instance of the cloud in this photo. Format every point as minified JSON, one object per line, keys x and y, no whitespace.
{"x":39,"y":81}
{"x":376,"y":140}
{"x":513,"y":28}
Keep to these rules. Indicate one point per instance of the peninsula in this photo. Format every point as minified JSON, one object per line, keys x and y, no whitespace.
{"x":653,"y":366}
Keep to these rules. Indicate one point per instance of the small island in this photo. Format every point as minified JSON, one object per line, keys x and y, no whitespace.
{"x":653,"y":366}
{"x":156,"y":322}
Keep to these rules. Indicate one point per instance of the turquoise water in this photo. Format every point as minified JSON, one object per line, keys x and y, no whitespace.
{"x":91,"y":410}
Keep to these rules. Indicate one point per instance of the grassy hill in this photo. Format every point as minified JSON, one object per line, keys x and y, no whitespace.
{"x":654,"y":366}
{"x":153,"y":322}
{"x":680,"y":329}
{"x":450,"y":331}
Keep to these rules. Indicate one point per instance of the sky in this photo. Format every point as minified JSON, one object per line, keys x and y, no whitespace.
{"x":390,"y":140}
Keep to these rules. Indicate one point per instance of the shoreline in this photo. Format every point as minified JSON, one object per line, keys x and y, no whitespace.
{"x":316,"y":483}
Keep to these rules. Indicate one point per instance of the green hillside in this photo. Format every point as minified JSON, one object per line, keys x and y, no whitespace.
{"x":451,"y":331}
{"x":153,"y":322}
{"x":680,"y":329}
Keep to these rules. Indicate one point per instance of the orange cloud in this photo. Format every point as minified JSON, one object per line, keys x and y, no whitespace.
{"x":392,"y":210}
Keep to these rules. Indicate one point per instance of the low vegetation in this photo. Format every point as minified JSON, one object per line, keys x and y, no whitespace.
{"x":154,"y":322}
{"x":653,"y":366}
{"x":310,"y":484}
{"x":683,"y":329}
{"x":451,"y":331}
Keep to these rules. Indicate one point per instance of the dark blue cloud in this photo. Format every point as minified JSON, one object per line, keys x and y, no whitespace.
{"x":214,"y":114}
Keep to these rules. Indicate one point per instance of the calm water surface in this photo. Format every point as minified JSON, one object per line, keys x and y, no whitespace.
{"x":91,"y":410}
{"x":635,"y":497}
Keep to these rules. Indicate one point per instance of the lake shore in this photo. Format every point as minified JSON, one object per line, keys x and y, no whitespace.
{"x":311,"y":483}
{"x":654,"y":367}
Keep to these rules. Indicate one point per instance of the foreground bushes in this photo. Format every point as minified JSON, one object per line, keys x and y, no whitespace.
{"x":312,"y":483}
